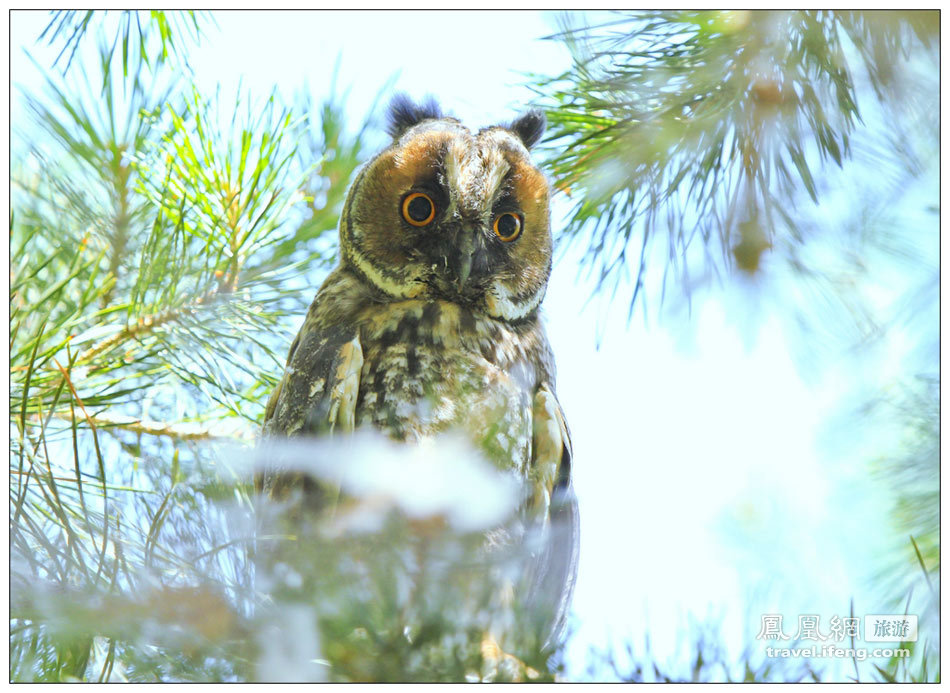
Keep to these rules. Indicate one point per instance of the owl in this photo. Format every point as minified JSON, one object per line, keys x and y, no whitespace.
{"x":430,"y":322}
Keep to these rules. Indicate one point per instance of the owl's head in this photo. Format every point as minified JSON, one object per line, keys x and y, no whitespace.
{"x":445,"y":213}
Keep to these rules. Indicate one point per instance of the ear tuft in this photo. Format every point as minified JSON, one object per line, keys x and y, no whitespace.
{"x":529,"y":127}
{"x":404,"y":113}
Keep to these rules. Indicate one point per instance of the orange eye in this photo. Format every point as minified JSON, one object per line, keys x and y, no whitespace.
{"x":507,"y":226}
{"x":418,"y":209}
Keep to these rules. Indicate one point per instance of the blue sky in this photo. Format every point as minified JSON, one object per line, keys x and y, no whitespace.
{"x":704,"y":489}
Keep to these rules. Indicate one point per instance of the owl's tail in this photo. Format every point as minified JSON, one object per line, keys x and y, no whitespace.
{"x":554,"y":570}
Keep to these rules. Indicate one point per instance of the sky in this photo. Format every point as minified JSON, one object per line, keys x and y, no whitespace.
{"x":705,"y":493}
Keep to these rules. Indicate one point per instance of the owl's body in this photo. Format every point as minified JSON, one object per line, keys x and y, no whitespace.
{"x":430,"y":323}
{"x":427,"y":367}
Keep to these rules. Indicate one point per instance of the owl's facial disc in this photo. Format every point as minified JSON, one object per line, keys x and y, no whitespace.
{"x":447,"y":215}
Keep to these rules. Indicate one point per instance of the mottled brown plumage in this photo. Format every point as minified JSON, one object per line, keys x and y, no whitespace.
{"x":430,"y":322}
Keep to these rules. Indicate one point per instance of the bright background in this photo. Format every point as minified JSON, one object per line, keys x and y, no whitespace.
{"x":713,"y":483}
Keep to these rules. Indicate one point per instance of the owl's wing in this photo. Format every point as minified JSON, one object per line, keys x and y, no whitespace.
{"x":317,"y":394}
{"x":320,"y":385}
{"x":555,"y":565}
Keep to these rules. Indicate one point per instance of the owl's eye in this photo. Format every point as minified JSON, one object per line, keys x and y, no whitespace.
{"x":418,"y":209}
{"x":507,"y":226}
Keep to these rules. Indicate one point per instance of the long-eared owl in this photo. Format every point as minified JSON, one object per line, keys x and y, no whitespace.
{"x":431,"y":320}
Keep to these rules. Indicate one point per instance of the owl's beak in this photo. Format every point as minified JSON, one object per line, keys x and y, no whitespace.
{"x":464,"y":251}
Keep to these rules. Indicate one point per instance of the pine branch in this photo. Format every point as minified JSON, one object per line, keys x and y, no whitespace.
{"x":713,"y":124}
{"x":147,"y":324}
{"x":178,"y":431}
